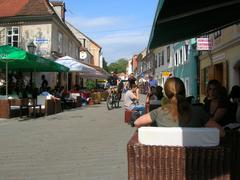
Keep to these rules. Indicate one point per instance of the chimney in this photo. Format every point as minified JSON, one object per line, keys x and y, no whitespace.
{"x":59,"y":8}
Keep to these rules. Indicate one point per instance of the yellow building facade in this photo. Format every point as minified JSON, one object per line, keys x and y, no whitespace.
{"x":223,"y":61}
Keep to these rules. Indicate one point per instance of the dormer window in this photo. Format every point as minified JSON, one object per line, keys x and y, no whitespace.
{"x":60,"y":42}
{"x":217,"y":34}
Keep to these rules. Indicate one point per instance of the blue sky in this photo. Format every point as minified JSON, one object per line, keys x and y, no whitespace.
{"x":121,"y":28}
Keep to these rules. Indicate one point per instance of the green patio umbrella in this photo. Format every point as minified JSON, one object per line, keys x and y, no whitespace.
{"x":12,"y":58}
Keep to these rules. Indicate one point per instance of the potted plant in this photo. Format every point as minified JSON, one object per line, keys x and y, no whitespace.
{"x":90,"y":84}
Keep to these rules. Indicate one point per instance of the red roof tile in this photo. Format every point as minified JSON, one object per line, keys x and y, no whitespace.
{"x":10,"y":8}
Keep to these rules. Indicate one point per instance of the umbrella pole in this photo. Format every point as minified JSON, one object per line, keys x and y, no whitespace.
{"x":67,"y":81}
{"x":7,"y":79}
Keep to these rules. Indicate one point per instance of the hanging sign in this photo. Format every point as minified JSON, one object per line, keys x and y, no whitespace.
{"x":204,"y":44}
{"x":166,"y":74}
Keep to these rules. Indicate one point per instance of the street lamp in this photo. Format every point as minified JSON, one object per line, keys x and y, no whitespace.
{"x":31,"y":48}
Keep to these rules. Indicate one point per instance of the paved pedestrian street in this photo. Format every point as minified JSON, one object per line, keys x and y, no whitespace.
{"x":87,"y":143}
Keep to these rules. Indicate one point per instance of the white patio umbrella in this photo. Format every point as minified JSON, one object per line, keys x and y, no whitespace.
{"x":76,"y":66}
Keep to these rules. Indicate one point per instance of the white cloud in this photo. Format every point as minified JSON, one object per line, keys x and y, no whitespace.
{"x":97,"y":22}
{"x":123,"y":45}
{"x":119,"y":37}
{"x":124,"y":38}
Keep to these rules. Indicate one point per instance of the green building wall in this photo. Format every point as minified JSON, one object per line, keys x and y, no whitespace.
{"x":189,"y":69}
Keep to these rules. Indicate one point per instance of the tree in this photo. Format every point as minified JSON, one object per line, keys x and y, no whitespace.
{"x":119,"y":66}
{"x":105,"y":66}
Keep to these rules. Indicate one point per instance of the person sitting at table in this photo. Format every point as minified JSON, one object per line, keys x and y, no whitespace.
{"x":177,"y":112}
{"x":84,"y":97}
{"x":154,"y":97}
{"x":131,"y":100}
{"x":48,"y":94}
{"x":216,"y":103}
{"x":75,"y":89}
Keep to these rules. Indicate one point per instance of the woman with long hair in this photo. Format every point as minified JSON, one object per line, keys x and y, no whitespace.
{"x":216,"y":103}
{"x":177,"y":112}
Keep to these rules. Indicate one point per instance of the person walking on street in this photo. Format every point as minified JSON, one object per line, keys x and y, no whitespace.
{"x":44,"y":83}
{"x":152,"y":82}
{"x":131,"y":80}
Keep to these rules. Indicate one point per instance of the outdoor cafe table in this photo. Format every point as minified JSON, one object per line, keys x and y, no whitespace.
{"x":31,"y":104}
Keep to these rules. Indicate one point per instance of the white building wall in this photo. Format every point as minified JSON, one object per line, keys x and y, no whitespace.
{"x":129,"y":67}
{"x":40,"y":34}
{"x":159,"y":69}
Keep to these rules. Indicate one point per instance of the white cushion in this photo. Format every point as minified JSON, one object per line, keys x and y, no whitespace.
{"x":176,"y":136}
{"x":14,"y":107}
{"x":37,"y":107}
{"x":41,"y":99}
{"x":3,"y":97}
{"x":13,"y":96}
{"x":74,"y":95}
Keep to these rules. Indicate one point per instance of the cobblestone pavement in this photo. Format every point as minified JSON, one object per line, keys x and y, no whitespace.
{"x":80,"y":144}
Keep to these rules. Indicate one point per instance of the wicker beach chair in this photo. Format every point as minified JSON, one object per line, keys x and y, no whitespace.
{"x":147,"y":162}
{"x":232,"y":141}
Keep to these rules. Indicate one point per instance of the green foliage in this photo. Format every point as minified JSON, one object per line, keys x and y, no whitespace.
{"x":105,"y":66}
{"x":90,"y":84}
{"x":118,"y":66}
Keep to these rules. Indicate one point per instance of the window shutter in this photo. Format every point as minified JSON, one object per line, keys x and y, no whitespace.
{"x":202,"y":83}
{"x":2,"y":36}
{"x":210,"y":73}
{"x":225,"y":74}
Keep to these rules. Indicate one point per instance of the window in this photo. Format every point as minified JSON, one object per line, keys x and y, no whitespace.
{"x":13,"y":36}
{"x":181,"y":56}
{"x":60,"y":42}
{"x":2,"y":36}
{"x":156,"y":60}
{"x":204,"y":79}
{"x":186,"y":52}
{"x":187,"y":87}
{"x":159,"y":59}
{"x":76,"y":53}
{"x":83,"y":42}
{"x":168,"y":54}
{"x":176,"y":59}
{"x":162,"y":57}
{"x":70,"y":48}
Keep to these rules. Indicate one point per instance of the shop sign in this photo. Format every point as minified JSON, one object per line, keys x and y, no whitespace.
{"x":41,"y":40}
{"x":218,"y":57}
{"x":204,"y":44}
{"x":166,"y":74}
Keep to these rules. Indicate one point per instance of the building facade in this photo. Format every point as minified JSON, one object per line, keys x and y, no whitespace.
{"x":185,"y":65}
{"x":223,"y":61}
{"x":36,"y":21}
{"x":93,"y":50}
{"x":163,"y":63}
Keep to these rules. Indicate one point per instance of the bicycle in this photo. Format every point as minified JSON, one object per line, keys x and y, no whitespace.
{"x":113,"y":98}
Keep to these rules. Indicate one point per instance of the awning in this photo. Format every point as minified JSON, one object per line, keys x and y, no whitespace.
{"x":96,"y":75}
{"x":180,"y":20}
{"x":74,"y":65}
{"x":20,"y":60}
